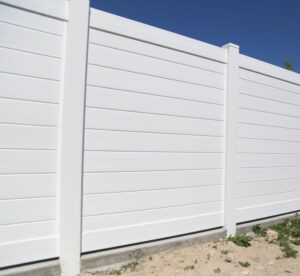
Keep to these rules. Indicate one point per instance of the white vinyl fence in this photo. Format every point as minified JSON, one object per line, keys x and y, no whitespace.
{"x":113,"y":132}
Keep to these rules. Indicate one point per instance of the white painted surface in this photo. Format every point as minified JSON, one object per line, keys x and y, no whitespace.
{"x":152,"y":123}
{"x":71,"y":137}
{"x":231,"y":160}
{"x":153,"y":163}
{"x":269,"y":140}
{"x":31,"y":51}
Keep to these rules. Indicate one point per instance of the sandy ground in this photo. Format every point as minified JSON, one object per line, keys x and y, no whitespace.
{"x":216,"y":258}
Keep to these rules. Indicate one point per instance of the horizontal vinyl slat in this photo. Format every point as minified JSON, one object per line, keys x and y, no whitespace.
{"x":268,"y":92}
{"x":93,"y":223}
{"x":139,"y":181}
{"x":147,"y":49}
{"x":269,"y":106}
{"x":133,"y":201}
{"x":267,"y":187}
{"x":28,"y":137}
{"x":55,"y":8}
{"x":20,"y":186}
{"x":141,"y":161}
{"x":269,"y":81}
{"x":27,"y":231}
{"x":262,"y":118}
{"x":15,"y":211}
{"x":267,"y":199}
{"x":28,"y":88}
{"x":267,"y":146}
{"x":268,"y":160}
{"x":263,"y":174}
{"x":16,"y":37}
{"x":267,"y":210}
{"x":153,"y":230}
{"x":142,"y":122}
{"x":16,"y":62}
{"x":28,"y":251}
{"x":28,"y":161}
{"x":31,"y":20}
{"x":116,"y":99}
{"x":108,"y":57}
{"x":28,"y":113}
{"x":268,"y":132}
{"x":106,"y":77}
{"x":139,"y":141}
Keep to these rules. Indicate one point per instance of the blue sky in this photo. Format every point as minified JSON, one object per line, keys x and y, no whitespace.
{"x":265,"y":29}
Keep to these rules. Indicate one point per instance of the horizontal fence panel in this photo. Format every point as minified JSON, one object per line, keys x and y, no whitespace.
{"x":28,"y":113}
{"x":267,"y":210}
{"x":118,"y":59}
{"x":106,"y":77}
{"x":269,"y":81}
{"x":139,"y":141}
{"x":23,"y":39}
{"x":129,"y":28}
{"x":269,"y":106}
{"x":28,"y":161}
{"x":247,"y":130}
{"x":15,"y":211}
{"x":269,"y":198}
{"x":18,"y":186}
{"x":252,"y":189}
{"x":28,"y":251}
{"x":145,"y":161}
{"x":267,"y":146}
{"x":132,"y":45}
{"x":265,"y":174}
{"x":93,"y":223}
{"x":142,"y":122}
{"x":96,"y":183}
{"x":268,"y":69}
{"x":31,"y":53}
{"x":98,"y":204}
{"x":28,"y":88}
{"x":28,"y":137}
{"x":16,"y":62}
{"x":268,"y":119}
{"x":149,"y":231}
{"x":268,"y":160}
{"x":121,"y":100}
{"x":27,"y":231}
{"x":31,"y":20}
{"x":260,"y":90}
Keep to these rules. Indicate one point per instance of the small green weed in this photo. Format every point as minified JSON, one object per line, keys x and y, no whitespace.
{"x":217,"y":270}
{"x":196,"y":261}
{"x":150,"y":258}
{"x":296,"y":242}
{"x":244,"y":264}
{"x":288,"y":232}
{"x":259,"y":231}
{"x":241,"y":240}
{"x":215,"y":246}
{"x":189,"y":267}
{"x":224,"y":252}
{"x":208,"y":256}
{"x":116,"y":272}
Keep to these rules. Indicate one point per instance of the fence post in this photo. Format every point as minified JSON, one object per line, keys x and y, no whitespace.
{"x":71,"y":137}
{"x":231,"y":108}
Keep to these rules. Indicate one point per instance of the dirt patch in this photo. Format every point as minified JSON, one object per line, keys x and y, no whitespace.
{"x":264,"y":257}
